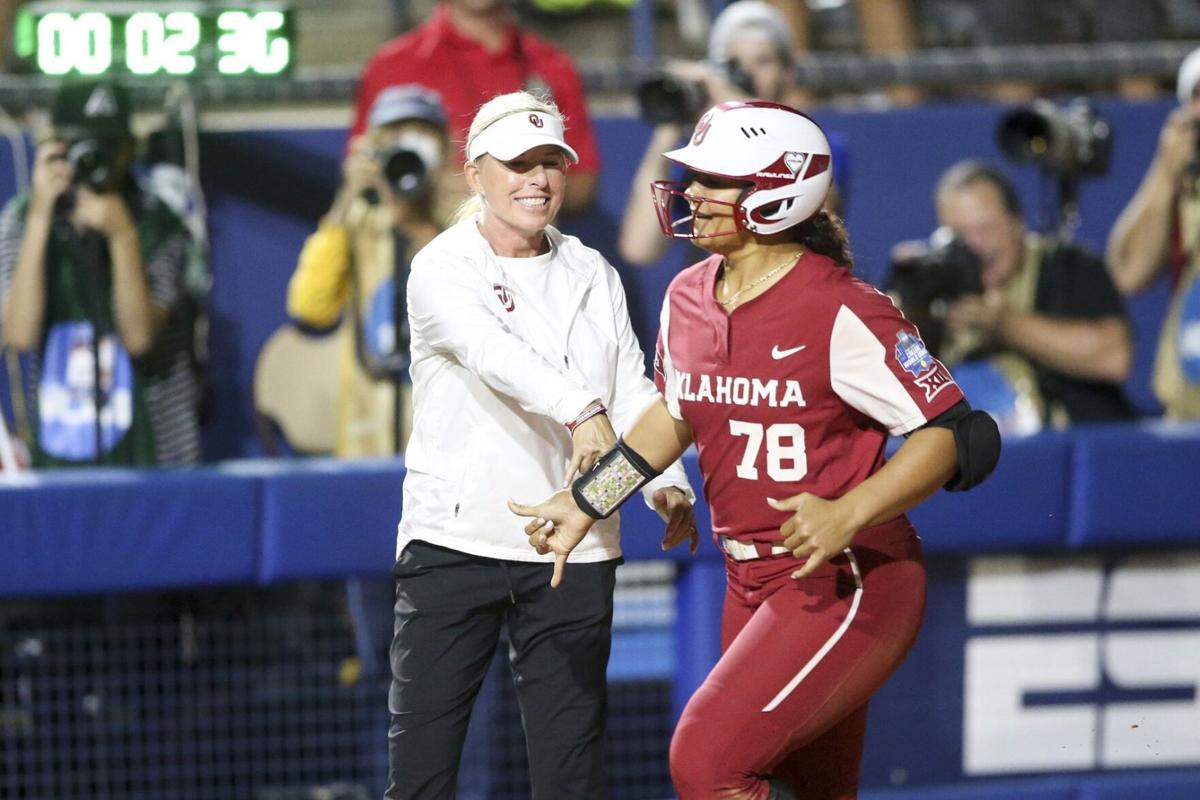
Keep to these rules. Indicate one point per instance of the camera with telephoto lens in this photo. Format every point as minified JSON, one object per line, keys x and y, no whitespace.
{"x":1069,"y":142}
{"x":927,"y":275}
{"x":93,"y":162}
{"x":668,"y":98}
{"x":409,"y":164}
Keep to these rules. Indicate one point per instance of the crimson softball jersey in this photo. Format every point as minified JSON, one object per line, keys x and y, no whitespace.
{"x":795,"y":391}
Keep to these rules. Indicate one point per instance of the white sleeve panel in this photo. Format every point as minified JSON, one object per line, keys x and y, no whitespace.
{"x":859,"y":374}
{"x":664,"y":364}
{"x":633,"y":392}
{"x":448,"y":306}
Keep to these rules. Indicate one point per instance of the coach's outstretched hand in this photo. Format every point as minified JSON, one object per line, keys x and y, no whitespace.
{"x":591,"y":439}
{"x":557,"y":526}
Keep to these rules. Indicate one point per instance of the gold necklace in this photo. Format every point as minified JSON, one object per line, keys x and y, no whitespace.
{"x":731,"y":300}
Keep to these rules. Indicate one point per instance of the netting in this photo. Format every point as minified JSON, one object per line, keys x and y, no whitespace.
{"x":276,"y":694}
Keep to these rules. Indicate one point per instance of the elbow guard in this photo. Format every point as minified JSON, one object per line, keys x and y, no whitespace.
{"x":977,"y":440}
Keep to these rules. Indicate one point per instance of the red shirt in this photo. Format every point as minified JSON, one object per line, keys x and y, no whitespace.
{"x":466,"y":75}
{"x":795,"y":391}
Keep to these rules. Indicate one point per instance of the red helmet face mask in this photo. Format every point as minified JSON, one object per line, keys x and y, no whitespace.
{"x":781,"y":156}
{"x":676,"y":209}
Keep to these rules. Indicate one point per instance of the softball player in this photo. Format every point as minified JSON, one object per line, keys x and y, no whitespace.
{"x":788,"y":374}
{"x":522,"y":350}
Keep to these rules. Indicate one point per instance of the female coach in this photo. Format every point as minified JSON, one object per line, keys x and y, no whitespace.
{"x":522,"y":351}
{"x":788,"y":374}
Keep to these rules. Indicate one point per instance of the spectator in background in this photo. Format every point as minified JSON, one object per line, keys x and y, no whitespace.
{"x":471,"y":50}
{"x":749,"y":54}
{"x":1160,"y":230}
{"x":91,"y":280}
{"x":885,"y":27}
{"x":383,"y":213}
{"x":1048,"y":322}
{"x":1016,"y":23}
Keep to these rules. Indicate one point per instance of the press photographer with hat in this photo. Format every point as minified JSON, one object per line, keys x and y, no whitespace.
{"x":1032,"y":325}
{"x":356,"y":263}
{"x":90,"y":281}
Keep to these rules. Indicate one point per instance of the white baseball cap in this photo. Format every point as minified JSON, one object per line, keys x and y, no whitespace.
{"x":517,"y":133}
{"x":748,"y":16}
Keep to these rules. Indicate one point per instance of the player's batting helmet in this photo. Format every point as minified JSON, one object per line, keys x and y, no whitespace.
{"x":781,"y":154}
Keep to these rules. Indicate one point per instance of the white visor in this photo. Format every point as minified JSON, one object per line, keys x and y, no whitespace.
{"x":509,"y":137}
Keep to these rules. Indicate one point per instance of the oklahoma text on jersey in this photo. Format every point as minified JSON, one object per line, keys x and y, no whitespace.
{"x":739,"y":391}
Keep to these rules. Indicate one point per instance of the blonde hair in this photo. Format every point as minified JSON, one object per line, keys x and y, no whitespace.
{"x":494,"y":110}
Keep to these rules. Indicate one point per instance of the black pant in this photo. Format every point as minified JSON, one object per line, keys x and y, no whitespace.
{"x":450,"y":607}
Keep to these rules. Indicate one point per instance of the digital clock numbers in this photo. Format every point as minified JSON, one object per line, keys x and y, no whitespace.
{"x":154,"y":39}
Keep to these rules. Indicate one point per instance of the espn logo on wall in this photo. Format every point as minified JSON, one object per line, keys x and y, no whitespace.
{"x":1075,"y":664}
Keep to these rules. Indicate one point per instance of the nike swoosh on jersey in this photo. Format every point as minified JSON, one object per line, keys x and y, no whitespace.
{"x":777,"y":354}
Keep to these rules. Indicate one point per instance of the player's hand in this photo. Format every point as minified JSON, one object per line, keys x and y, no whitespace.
{"x":51,"y":175}
{"x":556,"y":526}
{"x":591,"y":439}
{"x":673,"y":505}
{"x":817,"y":529}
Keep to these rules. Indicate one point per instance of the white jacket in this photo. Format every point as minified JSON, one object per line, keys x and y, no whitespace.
{"x":493,"y":391}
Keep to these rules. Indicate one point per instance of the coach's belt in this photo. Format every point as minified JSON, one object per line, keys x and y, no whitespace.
{"x":748,"y":551}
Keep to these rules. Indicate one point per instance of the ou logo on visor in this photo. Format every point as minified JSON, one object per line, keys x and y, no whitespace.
{"x":536,"y":121}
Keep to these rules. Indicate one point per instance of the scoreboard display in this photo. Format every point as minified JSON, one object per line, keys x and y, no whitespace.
{"x":154,"y":39}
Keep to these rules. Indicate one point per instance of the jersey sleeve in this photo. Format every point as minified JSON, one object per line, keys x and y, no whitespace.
{"x":879,"y":366}
{"x":665,"y":377}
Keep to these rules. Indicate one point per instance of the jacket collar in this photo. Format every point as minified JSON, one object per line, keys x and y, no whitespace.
{"x":568,"y":260}
{"x":585,"y":271}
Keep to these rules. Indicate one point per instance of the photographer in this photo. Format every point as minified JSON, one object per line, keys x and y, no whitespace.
{"x":91,"y":272}
{"x":749,"y":54}
{"x":357,"y":260}
{"x":1160,"y":230}
{"x":1043,"y":317}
